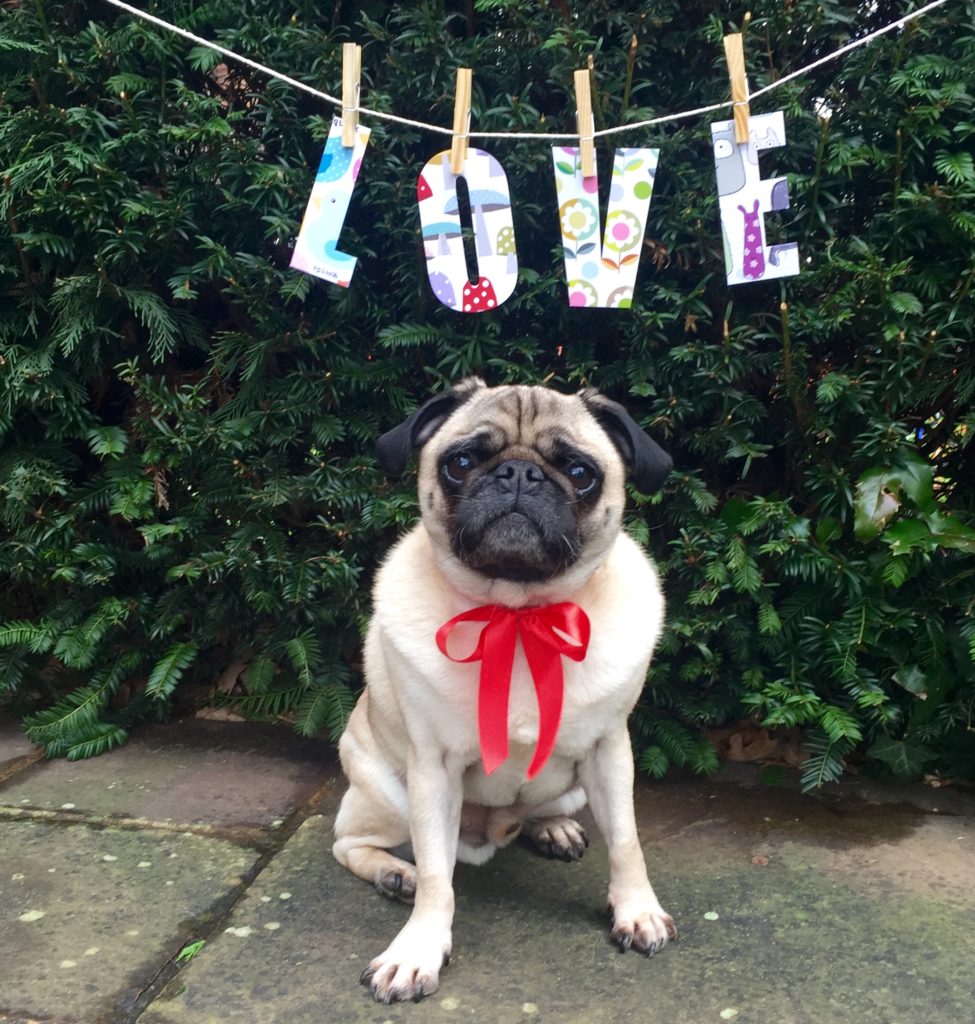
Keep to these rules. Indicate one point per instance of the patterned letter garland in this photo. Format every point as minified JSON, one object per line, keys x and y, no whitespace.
{"x":316,"y":249}
{"x":603,"y":278}
{"x":494,"y":233}
{"x":597,"y":276}
{"x":744,"y":196}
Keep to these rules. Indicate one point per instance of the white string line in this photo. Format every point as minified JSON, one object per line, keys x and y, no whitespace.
{"x":792,"y":76}
{"x":563,"y":137}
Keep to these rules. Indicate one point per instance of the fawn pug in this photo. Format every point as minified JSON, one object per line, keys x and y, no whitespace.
{"x":462,"y":739}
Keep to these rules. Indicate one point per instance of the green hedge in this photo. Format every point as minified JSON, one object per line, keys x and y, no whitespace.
{"x":187,"y":480}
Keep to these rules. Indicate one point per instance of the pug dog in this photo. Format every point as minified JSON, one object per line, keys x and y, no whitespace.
{"x":521,"y":492}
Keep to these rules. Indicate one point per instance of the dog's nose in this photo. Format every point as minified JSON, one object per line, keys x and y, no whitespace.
{"x":519,"y":475}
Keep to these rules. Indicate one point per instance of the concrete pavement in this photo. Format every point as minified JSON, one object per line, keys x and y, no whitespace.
{"x":854,"y":905}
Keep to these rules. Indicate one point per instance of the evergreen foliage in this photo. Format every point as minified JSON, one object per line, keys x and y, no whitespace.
{"x":187,"y":425}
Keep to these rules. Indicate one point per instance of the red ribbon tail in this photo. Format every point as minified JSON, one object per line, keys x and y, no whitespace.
{"x":546,"y":669}
{"x":544,"y":644}
{"x":494,"y":689}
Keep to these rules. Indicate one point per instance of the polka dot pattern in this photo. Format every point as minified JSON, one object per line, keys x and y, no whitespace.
{"x":463,"y":284}
{"x":479,"y":297}
{"x":753,"y":265}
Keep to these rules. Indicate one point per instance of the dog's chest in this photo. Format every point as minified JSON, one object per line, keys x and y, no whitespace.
{"x":581,"y":720}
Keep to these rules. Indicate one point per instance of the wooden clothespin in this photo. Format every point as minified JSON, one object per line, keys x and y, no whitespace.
{"x":462,"y":120}
{"x":351,"y":76}
{"x":734,"y":51}
{"x":585,"y":123}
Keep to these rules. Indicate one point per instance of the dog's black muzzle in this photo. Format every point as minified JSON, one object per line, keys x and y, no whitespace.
{"x":513,"y":522}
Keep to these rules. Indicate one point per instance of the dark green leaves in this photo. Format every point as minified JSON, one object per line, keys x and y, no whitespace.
{"x":167,"y":672}
{"x":958,"y":168}
{"x":187,"y":471}
{"x":881,"y":491}
{"x":904,"y":759}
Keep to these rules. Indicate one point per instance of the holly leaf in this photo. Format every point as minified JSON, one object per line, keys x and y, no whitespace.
{"x":914,"y":475}
{"x":903,"y":758}
{"x":827,"y":529}
{"x":949,"y":532}
{"x":874,"y":503}
{"x":909,"y":535}
{"x":913,"y":679}
{"x":881,"y":491}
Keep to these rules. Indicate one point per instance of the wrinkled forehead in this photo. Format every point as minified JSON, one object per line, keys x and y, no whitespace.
{"x":533,"y":416}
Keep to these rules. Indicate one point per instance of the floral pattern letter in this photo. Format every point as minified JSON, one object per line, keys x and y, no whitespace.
{"x":744,"y":196}
{"x":494,"y":232}
{"x":316,"y":250}
{"x":606,"y":277}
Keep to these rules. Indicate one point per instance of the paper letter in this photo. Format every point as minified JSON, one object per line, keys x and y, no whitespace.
{"x":494,"y":232}
{"x":604,"y":278}
{"x":744,"y":196}
{"x":316,"y":249}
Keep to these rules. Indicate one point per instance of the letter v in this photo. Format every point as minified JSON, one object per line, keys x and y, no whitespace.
{"x":604,"y":278}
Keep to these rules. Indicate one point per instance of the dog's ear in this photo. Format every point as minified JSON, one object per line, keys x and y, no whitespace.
{"x":647,"y":462}
{"x":395,"y":446}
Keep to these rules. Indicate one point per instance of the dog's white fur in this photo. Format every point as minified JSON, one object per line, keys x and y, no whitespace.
{"x":411,"y":749}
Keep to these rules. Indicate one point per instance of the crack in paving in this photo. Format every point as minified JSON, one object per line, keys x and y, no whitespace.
{"x":252,"y":836}
{"x":215,"y":918}
{"x":20,"y":764}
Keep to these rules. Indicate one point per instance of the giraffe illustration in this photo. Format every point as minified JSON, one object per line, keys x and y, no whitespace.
{"x":753,"y":265}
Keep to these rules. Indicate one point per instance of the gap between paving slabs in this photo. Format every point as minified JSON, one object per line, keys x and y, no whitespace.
{"x":129,"y":1003}
{"x":220,"y":915}
{"x":130,"y":998}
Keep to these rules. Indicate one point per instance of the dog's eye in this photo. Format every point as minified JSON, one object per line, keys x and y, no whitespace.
{"x":458,"y":466}
{"x":583,"y":477}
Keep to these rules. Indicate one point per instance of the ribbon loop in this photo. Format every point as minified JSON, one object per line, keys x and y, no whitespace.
{"x":543,"y":631}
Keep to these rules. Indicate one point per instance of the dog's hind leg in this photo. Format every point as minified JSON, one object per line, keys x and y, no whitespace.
{"x":559,"y":837}
{"x":552,"y":830}
{"x":363,"y":841}
{"x":373,"y":818}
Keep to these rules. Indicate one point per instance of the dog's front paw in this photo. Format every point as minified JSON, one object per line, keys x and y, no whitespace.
{"x":645,"y":927}
{"x":410,"y":967}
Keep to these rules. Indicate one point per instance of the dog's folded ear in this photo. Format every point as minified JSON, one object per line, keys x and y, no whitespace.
{"x":648,"y":464}
{"x":395,"y":446}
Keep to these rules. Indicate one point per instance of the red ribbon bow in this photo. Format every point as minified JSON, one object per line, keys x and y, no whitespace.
{"x":539,"y":629}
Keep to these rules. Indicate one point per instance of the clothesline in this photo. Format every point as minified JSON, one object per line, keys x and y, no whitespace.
{"x":555,"y":137}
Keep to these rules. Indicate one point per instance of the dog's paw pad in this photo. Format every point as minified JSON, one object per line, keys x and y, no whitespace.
{"x":560,"y":838}
{"x":647,"y":931}
{"x":400,"y":885}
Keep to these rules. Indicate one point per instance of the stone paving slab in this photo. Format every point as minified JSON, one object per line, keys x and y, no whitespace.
{"x":853,"y":905}
{"x":791,"y":911}
{"x":89,"y":916}
{"x":189,"y":771}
